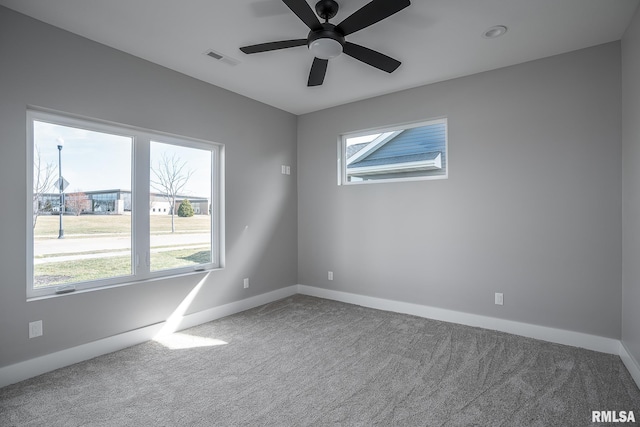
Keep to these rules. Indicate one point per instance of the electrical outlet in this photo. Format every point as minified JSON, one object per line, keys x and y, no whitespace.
{"x":288,"y":170}
{"x":246,"y":282}
{"x":35,"y":329}
{"x":499,"y":298}
{"x":330,"y":275}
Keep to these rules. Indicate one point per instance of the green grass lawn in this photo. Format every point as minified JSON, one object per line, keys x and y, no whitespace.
{"x":57,"y":273}
{"x":48,"y":225}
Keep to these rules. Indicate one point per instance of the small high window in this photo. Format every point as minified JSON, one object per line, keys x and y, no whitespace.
{"x":406,"y":152}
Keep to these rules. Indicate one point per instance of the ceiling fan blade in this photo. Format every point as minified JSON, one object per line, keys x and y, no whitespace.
{"x":371,"y":57}
{"x":370,"y":13}
{"x":318,"y":71}
{"x":265,"y":47}
{"x":303,"y":11}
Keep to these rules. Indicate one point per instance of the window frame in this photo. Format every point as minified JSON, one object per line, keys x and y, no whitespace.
{"x":397,"y":128}
{"x":140,"y":201}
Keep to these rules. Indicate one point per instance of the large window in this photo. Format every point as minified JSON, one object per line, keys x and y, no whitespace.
{"x":114,"y":204}
{"x":407,"y":152}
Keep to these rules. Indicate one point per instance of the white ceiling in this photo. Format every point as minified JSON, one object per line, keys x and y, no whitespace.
{"x":435,"y":40}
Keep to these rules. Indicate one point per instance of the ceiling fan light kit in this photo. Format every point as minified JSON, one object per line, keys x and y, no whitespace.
{"x":326,"y":41}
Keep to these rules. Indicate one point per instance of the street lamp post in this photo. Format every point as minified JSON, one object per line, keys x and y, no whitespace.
{"x":61,"y":187}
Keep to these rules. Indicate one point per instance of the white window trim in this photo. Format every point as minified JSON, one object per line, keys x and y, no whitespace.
{"x":342,"y":150}
{"x":140,"y":238}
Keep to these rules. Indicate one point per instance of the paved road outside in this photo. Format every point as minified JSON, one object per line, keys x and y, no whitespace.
{"x":71,"y":248}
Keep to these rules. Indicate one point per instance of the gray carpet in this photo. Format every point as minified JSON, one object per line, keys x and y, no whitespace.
{"x":309,"y":361}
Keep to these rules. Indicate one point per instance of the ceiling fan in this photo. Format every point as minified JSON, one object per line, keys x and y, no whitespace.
{"x":326,"y":41}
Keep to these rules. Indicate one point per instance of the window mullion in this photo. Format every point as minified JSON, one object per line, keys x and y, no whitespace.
{"x":140,"y":209}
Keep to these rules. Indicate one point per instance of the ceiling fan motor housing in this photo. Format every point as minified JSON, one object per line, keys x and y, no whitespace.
{"x":326,"y":9}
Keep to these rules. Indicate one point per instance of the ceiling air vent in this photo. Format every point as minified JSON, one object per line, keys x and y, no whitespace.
{"x":221,"y":57}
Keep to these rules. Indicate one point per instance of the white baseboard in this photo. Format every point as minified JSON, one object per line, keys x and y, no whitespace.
{"x":544,"y":333}
{"x":559,"y":336}
{"x":30,"y":368}
{"x":632,"y":364}
{"x":214,"y":313}
{"x":33,"y":367}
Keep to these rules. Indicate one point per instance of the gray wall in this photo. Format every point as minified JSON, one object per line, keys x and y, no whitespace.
{"x":44,"y":66}
{"x":631,"y":188}
{"x":532,"y":206}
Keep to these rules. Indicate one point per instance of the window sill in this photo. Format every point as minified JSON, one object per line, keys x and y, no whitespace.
{"x":119,"y":285}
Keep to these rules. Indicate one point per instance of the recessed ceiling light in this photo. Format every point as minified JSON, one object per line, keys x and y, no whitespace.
{"x":495,"y":31}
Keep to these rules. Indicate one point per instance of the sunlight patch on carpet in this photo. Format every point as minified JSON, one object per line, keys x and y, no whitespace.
{"x":179,"y":341}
